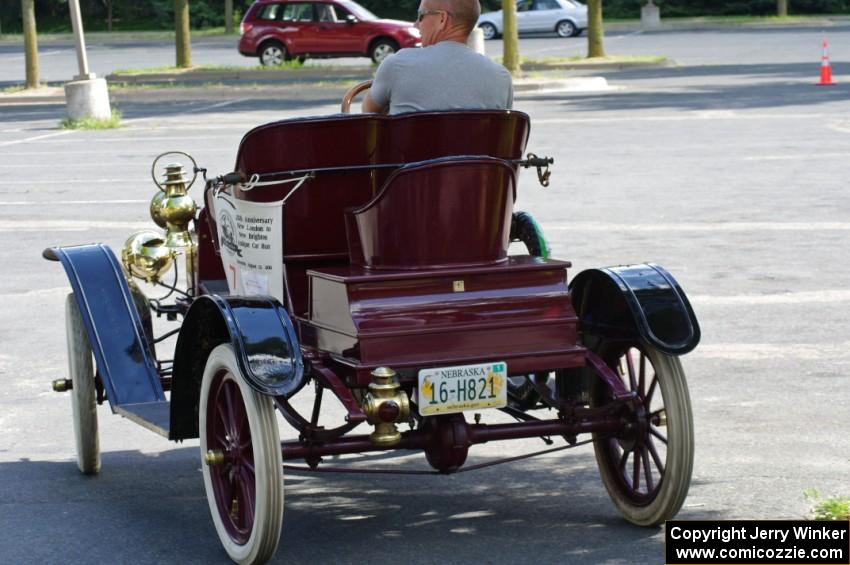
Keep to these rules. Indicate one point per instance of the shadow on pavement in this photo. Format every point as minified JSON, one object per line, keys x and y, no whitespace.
{"x":773,"y":86}
{"x":151,"y":508}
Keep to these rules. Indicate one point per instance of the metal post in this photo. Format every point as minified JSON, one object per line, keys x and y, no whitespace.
{"x":79,"y":40}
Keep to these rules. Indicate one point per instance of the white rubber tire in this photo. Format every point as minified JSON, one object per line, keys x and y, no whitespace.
{"x":268,"y":464}
{"x":83,"y":405}
{"x":679,"y":453}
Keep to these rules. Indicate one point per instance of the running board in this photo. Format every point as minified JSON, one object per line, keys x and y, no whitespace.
{"x":154,"y":416}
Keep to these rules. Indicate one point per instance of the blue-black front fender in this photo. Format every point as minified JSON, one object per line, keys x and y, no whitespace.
{"x":263,"y":338}
{"x":636,"y":301}
{"x":114,"y":324}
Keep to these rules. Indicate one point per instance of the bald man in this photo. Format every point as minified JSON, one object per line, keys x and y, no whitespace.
{"x":445,"y":74}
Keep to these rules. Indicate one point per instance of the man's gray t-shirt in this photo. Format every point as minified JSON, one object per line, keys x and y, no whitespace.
{"x":445,"y":76}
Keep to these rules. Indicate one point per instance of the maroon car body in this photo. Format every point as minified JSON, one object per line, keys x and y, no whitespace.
{"x":388,"y":284}
{"x":278,"y":30}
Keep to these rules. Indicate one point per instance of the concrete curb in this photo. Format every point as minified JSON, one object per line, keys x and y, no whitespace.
{"x":55,"y":95}
{"x":602,"y":66}
{"x":576,"y":84}
{"x":43,"y":95}
{"x":302,"y":76}
{"x":248,"y":75}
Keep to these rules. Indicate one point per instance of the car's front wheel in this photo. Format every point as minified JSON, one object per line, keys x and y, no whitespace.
{"x":241,"y":460}
{"x":272,"y":53}
{"x":489,"y":30}
{"x":83,"y":390}
{"x":566,"y":28}
{"x":382,"y":49}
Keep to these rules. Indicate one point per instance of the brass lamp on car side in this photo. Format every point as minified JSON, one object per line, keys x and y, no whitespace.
{"x":145,"y":256}
{"x":174,"y":210}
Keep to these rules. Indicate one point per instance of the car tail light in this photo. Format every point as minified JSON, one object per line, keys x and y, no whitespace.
{"x":243,"y":28}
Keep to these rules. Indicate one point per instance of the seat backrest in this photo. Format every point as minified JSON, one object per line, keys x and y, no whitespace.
{"x":314,"y":216}
{"x":448,"y":212}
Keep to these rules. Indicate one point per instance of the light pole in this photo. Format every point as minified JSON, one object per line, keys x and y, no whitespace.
{"x":86,"y":96}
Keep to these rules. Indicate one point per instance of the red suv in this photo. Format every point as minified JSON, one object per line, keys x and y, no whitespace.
{"x":280,"y":30}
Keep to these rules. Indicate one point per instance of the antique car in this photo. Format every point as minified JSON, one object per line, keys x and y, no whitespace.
{"x":375,"y":270}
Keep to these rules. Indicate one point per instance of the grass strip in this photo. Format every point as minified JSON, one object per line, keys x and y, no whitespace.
{"x":832,"y":508}
{"x":112,"y":122}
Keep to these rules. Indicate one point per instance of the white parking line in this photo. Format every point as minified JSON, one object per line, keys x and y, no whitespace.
{"x":110,"y":140}
{"x":24,"y":184}
{"x":36,"y":138}
{"x":68,"y":225}
{"x":71,"y":202}
{"x":700,"y":226}
{"x":101,"y":151}
{"x":761,"y":351}
{"x":685,"y":116}
{"x":802,"y":297}
{"x":190,"y":111}
{"x":100,"y":164}
{"x":800,"y":157}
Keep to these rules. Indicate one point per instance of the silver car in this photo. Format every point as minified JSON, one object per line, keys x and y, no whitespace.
{"x":567,"y":18}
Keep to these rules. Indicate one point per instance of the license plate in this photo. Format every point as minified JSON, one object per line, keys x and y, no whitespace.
{"x":467,"y":387}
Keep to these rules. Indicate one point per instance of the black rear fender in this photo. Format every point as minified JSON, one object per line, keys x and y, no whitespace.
{"x":635,"y":302}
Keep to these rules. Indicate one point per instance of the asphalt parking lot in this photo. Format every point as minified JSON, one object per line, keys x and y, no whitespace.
{"x":732,"y":175}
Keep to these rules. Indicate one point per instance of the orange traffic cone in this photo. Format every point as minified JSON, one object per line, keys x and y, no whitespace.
{"x":825,"y":69}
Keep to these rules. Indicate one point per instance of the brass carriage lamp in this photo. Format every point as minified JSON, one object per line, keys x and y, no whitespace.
{"x":145,"y":256}
{"x":385,"y":405}
{"x":173,"y":209}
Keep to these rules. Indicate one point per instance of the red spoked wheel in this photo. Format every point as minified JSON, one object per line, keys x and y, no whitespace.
{"x":242,"y":465}
{"x":647,"y":467}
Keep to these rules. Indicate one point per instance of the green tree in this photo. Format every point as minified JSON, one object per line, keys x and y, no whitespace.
{"x":30,"y":42}
{"x":510,"y":39}
{"x":181,"y":35}
{"x":595,"y":30}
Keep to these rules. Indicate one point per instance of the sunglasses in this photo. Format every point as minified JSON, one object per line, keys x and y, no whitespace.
{"x":422,"y":13}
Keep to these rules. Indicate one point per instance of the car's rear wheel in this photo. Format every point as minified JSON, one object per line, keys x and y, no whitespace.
{"x":272,"y":53}
{"x":489,"y":30}
{"x":647,"y":467}
{"x":382,"y":49}
{"x":566,"y":28}
{"x":242,"y":466}
{"x":522,"y":393}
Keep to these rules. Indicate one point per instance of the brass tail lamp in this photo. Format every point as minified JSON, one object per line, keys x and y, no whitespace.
{"x":384,"y":405}
{"x":148,"y":255}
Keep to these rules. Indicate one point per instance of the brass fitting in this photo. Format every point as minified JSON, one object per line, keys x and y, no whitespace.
{"x":384,"y":405}
{"x":214,"y":457}
{"x":662,"y":419}
{"x":62,"y":385}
